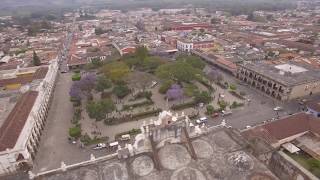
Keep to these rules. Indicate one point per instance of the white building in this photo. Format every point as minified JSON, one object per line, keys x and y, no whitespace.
{"x":20,"y":132}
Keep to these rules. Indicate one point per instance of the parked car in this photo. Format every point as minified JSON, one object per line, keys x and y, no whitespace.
{"x":278,"y":108}
{"x":226,"y":113}
{"x":125,"y":137}
{"x":214,"y":115}
{"x":202,"y":120}
{"x":100,"y":146}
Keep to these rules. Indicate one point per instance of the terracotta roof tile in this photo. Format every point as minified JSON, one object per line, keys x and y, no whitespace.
{"x":286,"y":127}
{"x":13,"y":125}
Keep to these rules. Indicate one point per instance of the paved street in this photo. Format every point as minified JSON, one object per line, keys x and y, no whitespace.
{"x":54,"y":146}
{"x":259,"y":109}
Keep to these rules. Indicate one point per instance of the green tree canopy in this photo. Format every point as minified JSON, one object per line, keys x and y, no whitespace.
{"x":103,"y":83}
{"x":35,"y":59}
{"x":203,"y":97}
{"x":177,"y":71}
{"x":116,"y":71}
{"x":99,"y":110}
{"x":194,"y":61}
{"x":141,"y":53}
{"x":121,"y":90}
{"x":75,"y":132}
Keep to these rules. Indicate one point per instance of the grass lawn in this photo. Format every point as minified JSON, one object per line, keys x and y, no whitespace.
{"x":307,"y":162}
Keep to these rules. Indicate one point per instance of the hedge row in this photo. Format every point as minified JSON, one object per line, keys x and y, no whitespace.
{"x":206,"y":84}
{"x":183,"y":105}
{"x":76,"y":77}
{"x":223,"y":86}
{"x":237,"y":95}
{"x":133,"y":117}
{"x":143,"y":103}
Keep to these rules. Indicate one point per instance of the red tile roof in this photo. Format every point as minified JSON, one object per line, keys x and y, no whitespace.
{"x":284,"y":128}
{"x":13,"y":125}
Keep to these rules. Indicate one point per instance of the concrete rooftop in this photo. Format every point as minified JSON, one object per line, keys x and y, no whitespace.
{"x":219,"y":157}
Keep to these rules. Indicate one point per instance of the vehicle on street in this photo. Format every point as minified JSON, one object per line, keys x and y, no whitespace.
{"x":100,"y":146}
{"x":226,"y":112}
{"x":278,"y":108}
{"x":114,"y":144}
{"x":214,"y":115}
{"x":125,"y":137}
{"x":247,"y":127}
{"x":202,"y":120}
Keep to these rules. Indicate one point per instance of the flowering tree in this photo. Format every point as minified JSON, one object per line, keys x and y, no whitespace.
{"x":175,"y":92}
{"x":75,"y":91}
{"x":87,"y":82}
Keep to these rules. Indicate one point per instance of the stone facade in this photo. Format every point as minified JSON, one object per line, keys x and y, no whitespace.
{"x":274,"y":88}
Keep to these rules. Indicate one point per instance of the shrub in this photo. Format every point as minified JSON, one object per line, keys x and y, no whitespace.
{"x":165,"y":86}
{"x":143,"y":94}
{"x":223,"y":104}
{"x":121,"y":91}
{"x":232,"y":87}
{"x":143,"y":103}
{"x":99,"y":110}
{"x":210,"y":109}
{"x":236,"y":104}
{"x":75,"y":132}
{"x":237,"y":95}
{"x":76,"y":115}
{"x":203,"y":97}
{"x":113,"y":121}
{"x":223,"y":86}
{"x":103,"y":83}
{"x":184,"y":105}
{"x":146,"y":114}
{"x":76,"y":77}
{"x":206,"y":84}
{"x":190,"y":90}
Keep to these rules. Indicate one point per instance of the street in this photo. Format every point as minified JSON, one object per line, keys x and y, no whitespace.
{"x":54,"y":146}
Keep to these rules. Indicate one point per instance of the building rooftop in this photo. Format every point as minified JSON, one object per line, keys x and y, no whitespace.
{"x":289,"y":74}
{"x":283,"y":128}
{"x":221,"y":155}
{"x":14,"y":123}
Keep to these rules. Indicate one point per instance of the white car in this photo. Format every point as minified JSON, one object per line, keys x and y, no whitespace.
{"x":100,"y":146}
{"x":202,"y":120}
{"x":226,"y":113}
{"x":278,"y":108}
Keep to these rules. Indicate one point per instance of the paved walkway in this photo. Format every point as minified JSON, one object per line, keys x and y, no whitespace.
{"x":54,"y":146}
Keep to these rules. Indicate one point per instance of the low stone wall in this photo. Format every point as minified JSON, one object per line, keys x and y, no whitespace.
{"x":285,"y":167}
{"x":65,"y":167}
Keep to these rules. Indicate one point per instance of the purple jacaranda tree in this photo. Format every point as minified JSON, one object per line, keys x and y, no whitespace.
{"x":75,"y":91}
{"x":175,"y":92}
{"x":87,"y":82}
